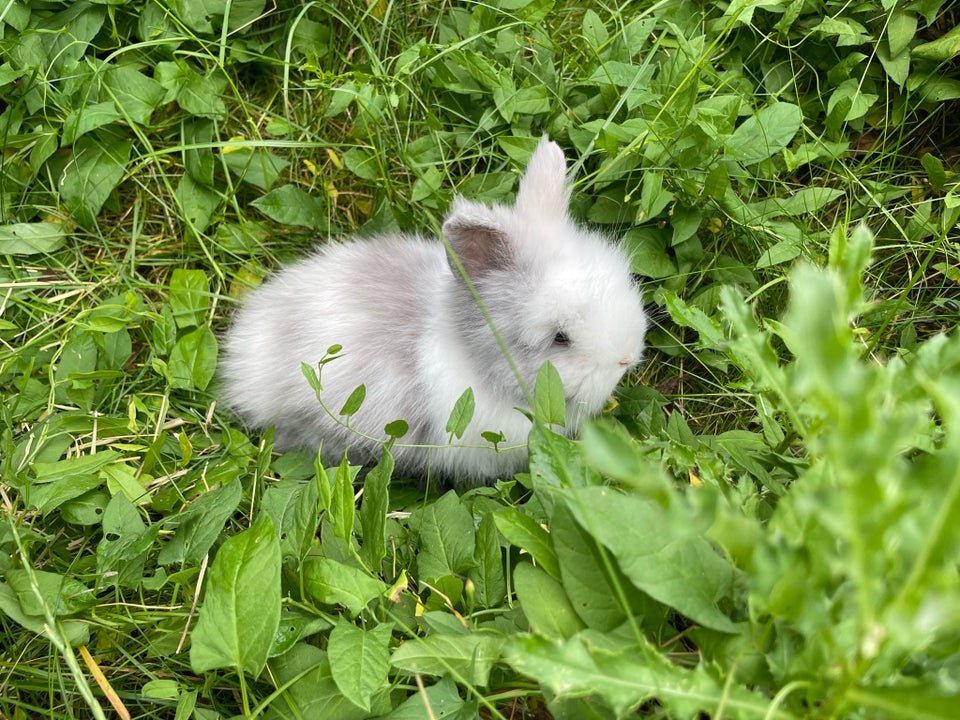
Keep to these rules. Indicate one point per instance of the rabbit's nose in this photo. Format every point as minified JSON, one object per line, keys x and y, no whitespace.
{"x":626,"y":362}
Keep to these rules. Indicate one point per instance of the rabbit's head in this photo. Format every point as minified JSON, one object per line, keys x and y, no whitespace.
{"x":553,"y":290}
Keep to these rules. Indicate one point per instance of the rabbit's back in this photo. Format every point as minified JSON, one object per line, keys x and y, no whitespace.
{"x":371,"y":297}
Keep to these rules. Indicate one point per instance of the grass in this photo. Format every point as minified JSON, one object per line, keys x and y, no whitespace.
{"x":764,"y":523}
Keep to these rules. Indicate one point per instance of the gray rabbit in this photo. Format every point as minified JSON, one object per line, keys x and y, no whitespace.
{"x":414,"y":335}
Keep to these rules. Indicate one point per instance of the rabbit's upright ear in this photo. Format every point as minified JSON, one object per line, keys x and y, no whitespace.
{"x":476,"y":238}
{"x":544,"y":192}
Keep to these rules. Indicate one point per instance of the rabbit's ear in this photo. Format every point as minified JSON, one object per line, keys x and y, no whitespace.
{"x":544,"y":192}
{"x":473,"y":233}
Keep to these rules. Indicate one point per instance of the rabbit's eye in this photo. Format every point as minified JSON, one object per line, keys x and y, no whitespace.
{"x":561,"y":338}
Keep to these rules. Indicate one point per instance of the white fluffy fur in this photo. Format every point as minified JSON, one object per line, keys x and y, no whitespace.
{"x":413,"y":335}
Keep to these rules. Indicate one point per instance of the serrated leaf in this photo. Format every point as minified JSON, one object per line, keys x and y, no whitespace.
{"x":359,"y":660}
{"x":290,"y":205}
{"x":549,"y":401}
{"x":462,"y":414}
{"x":585,"y":665}
{"x":765,"y":134}
{"x":240,"y":613}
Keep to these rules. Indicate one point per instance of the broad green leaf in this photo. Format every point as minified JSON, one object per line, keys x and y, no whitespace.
{"x":848,"y":102}
{"x":309,"y":690}
{"x":945,"y":47}
{"x":896,"y":66}
{"x":197,"y":202}
{"x":545,"y":604}
{"x":717,"y":182}
{"x":343,"y":510}
{"x":612,"y":451}
{"x":240,"y":613}
{"x":202,"y":95}
{"x":359,"y":660}
{"x":446,"y":539}
{"x":77,"y":632}
{"x":122,"y":553}
{"x":290,"y":205}
{"x":373,"y":510}
{"x":654,"y":197}
{"x":189,"y":297}
{"x":95,"y":168}
{"x":935,"y":170}
{"x":293,"y":506}
{"x":61,"y":594}
{"x":200,"y":525}
{"x":443,"y":699}
{"x":549,"y":402}
{"x":333,"y":583}
{"x":524,"y":532}
{"x":781,"y":252}
{"x":136,"y":96}
{"x":193,"y":360}
{"x":73,"y":376}
{"x":257,"y":166}
{"x":396,"y":429}
{"x":487,"y":574}
{"x":61,"y":481}
{"x":648,"y":253}
{"x":362,"y":163}
{"x":462,"y":414}
{"x":121,"y":479}
{"x":583,"y":574}
{"x":593,"y":30}
{"x":87,"y":118}
{"x":765,"y":134}
{"x":657,"y":551}
{"x":711,"y":334}
{"x":470,"y":656}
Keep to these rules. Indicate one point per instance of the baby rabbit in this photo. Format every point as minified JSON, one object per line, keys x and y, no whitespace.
{"x":413,"y":334}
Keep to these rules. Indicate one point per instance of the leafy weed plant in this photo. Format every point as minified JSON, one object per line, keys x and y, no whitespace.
{"x":763,"y":524}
